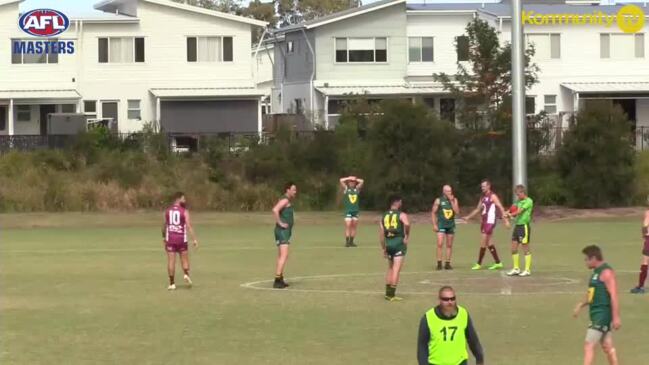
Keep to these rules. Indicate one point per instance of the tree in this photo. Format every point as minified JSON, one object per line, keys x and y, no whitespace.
{"x":481,"y":88}
{"x":225,"y":6}
{"x":312,"y":9}
{"x":596,"y":158}
{"x":482,"y":91}
{"x":295,"y":11}
{"x":229,"y":6}
{"x":411,"y":153}
{"x":261,"y":11}
{"x":207,"y":4}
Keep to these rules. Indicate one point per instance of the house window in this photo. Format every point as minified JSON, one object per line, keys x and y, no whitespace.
{"x":341,"y":49}
{"x":228,"y":49}
{"x":420,"y":49}
{"x":462,"y":48}
{"x":121,"y":50}
{"x":3,"y":118}
{"x":32,"y":58}
{"x":336,"y":107}
{"x":550,"y":104}
{"x":134,"y":112}
{"x":429,"y":102}
{"x":367,"y":50}
{"x":298,"y":106}
{"x":447,"y":109}
{"x":209,"y":49}
{"x":530,"y":105}
{"x":546,"y":45}
{"x":621,"y":46}
{"x":90,"y":109}
{"x":23,"y":113}
{"x":290,"y":47}
{"x":68,"y":108}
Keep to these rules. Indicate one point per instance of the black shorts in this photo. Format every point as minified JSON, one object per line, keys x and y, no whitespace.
{"x":521,"y":234}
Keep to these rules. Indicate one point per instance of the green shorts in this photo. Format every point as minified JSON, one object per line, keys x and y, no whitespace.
{"x":395,"y":248}
{"x":282,"y":236}
{"x":600,"y":321}
{"x":351,"y":215}
{"x":446,"y":230}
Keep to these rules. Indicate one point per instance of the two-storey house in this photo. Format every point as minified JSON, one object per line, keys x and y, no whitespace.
{"x":391,"y":49}
{"x":183,"y":68}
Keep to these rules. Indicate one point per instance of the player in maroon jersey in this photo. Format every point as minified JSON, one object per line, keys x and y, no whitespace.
{"x":487,"y":207}
{"x":174,"y":231}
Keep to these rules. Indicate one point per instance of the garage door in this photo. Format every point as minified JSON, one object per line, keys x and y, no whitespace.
{"x":214,"y":116}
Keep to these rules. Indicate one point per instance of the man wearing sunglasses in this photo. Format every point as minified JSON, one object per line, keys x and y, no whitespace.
{"x":444,"y":333}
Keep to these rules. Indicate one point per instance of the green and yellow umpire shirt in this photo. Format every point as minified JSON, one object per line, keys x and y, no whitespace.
{"x":442,"y":344}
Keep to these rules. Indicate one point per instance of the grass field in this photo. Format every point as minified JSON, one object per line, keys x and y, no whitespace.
{"x":91,"y":289}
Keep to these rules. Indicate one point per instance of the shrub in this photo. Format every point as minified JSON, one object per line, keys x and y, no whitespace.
{"x":412,"y":153}
{"x":596,"y":158}
{"x":641,"y":170}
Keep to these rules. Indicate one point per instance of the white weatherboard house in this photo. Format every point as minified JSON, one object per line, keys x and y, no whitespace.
{"x":184,"y":68}
{"x":391,"y":49}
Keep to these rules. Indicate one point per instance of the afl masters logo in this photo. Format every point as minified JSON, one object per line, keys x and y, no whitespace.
{"x":44,"y":22}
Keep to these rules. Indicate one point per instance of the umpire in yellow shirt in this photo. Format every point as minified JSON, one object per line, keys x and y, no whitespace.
{"x":444,"y":333}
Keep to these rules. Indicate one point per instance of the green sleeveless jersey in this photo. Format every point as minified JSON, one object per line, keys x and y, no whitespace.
{"x":351,"y":200}
{"x":448,"y":342}
{"x":445,"y":213}
{"x":392,"y":225}
{"x":599,"y":299}
{"x":286,"y":215}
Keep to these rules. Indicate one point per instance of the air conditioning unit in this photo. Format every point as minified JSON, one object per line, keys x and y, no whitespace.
{"x":65,"y":123}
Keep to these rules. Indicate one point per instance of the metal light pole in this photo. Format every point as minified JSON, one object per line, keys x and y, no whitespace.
{"x":519,"y":126}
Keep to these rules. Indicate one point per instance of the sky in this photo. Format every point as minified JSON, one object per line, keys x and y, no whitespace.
{"x":76,"y":6}
{"x":70,"y":6}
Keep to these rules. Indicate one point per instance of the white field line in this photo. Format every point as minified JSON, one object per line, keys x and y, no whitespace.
{"x":505,"y":290}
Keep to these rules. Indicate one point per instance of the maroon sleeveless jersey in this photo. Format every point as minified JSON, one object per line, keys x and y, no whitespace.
{"x":175,"y":225}
{"x":488,"y":209}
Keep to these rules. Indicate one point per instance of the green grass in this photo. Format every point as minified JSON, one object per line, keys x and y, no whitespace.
{"x":91,"y":289}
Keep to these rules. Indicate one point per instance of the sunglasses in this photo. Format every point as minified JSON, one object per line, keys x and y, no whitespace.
{"x":451,"y":299}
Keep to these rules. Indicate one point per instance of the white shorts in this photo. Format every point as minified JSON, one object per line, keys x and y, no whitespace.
{"x":593,"y":335}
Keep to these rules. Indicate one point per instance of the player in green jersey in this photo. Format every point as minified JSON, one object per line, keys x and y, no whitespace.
{"x":603,"y":305}
{"x":394,"y":232}
{"x":522,"y":212}
{"x":283,"y":214}
{"x":352,"y":186}
{"x":445,"y":208}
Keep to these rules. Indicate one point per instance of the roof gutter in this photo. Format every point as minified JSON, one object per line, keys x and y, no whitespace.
{"x":429,"y":12}
{"x":106,"y":21}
